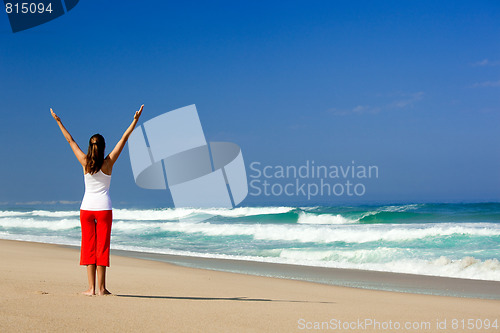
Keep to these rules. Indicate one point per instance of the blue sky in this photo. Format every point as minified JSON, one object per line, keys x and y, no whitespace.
{"x":412,"y":87}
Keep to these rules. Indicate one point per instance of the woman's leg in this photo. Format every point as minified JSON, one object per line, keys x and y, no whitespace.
{"x":91,"y":278}
{"x":88,"y":248}
{"x":101,"y":278}
{"x":103,"y":231}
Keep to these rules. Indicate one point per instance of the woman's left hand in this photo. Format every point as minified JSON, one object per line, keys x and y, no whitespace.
{"x":54,"y":115}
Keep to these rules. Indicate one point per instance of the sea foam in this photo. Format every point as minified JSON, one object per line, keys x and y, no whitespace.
{"x":414,"y":238}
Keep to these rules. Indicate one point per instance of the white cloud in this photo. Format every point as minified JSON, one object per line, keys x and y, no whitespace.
{"x":360,"y":109}
{"x":365,"y":109}
{"x":53,"y":202}
{"x":409,"y":100}
{"x":403,"y":101}
{"x":487,"y":84}
{"x":486,"y":62}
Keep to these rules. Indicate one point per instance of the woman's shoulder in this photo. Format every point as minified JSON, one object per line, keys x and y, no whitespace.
{"x":107,"y":167}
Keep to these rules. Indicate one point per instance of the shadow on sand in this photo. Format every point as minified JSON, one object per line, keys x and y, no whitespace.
{"x":239,"y":299}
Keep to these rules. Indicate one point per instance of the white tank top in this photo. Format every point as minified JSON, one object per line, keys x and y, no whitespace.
{"x":96,"y":195}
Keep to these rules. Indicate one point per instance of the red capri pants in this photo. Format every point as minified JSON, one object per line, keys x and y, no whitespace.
{"x":96,"y":234}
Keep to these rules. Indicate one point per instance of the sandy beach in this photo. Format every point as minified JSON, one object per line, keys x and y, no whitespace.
{"x":40,"y":287}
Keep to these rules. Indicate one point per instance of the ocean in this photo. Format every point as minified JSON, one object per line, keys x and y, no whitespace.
{"x":449,"y":240}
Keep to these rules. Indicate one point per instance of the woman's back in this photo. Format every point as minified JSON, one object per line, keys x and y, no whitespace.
{"x":96,"y":195}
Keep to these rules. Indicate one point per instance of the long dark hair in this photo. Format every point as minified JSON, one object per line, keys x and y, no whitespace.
{"x":95,"y":154}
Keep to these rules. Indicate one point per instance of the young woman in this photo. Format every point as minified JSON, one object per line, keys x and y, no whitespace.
{"x":95,"y":212}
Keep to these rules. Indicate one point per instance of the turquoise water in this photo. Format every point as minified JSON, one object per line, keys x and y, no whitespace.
{"x":454,"y":240}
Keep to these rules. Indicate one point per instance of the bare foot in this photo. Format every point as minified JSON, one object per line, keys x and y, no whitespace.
{"x":104,"y":292}
{"x":89,"y":292}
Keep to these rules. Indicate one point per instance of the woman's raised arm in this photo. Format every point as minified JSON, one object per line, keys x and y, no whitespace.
{"x":74,"y":146}
{"x":115,"y":153}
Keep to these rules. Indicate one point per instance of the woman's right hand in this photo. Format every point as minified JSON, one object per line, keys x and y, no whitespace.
{"x":54,"y":115}
{"x":137,"y":113}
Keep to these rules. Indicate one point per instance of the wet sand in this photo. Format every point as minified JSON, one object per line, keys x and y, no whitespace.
{"x":40,"y":285}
